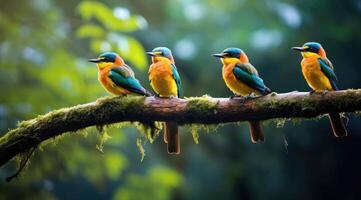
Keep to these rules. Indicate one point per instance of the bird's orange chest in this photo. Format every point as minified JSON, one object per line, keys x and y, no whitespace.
{"x":227,"y":73}
{"x":310,"y":65}
{"x":160,"y":70}
{"x":103,"y":76}
{"x":161,"y":79}
{"x":313,"y":74}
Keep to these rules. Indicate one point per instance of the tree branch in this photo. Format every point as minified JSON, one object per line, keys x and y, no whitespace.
{"x":204,"y":110}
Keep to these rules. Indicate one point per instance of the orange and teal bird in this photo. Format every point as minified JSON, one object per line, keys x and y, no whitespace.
{"x":319,"y":75}
{"x":165,"y":81}
{"x":242,"y":79}
{"x":116,"y":77}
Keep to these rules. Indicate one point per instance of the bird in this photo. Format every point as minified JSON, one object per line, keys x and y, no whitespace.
{"x":166,"y":83}
{"x":116,"y":77}
{"x":319,"y":74}
{"x":243,"y":80}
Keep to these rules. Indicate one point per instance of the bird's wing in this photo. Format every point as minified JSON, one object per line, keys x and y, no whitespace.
{"x":177,"y":79}
{"x":123,"y":76}
{"x":248,"y":75}
{"x":327,"y":69}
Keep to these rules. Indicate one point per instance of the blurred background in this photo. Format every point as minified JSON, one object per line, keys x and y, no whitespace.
{"x":44,"y":47}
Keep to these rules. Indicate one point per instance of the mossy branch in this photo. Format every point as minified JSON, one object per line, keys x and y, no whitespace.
{"x":203,"y":110}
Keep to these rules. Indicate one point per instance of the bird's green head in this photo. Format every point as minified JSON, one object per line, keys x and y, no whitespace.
{"x":232,"y":55}
{"x":311,"y":49}
{"x":161,"y":54}
{"x":107,"y":59}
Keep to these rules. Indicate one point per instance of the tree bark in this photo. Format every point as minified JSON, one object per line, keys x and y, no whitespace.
{"x":205,"y":110}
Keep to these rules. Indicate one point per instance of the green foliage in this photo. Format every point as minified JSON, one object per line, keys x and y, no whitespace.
{"x":158,"y":183}
{"x":107,"y":35}
{"x":90,"y":31}
{"x":104,"y":15}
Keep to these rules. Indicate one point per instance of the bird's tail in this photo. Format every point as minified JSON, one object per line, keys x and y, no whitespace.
{"x":171,"y":137}
{"x":256,"y":132}
{"x":338,"y":127}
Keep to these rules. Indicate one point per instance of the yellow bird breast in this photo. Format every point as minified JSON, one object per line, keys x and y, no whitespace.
{"x":235,"y":85}
{"x":314,"y":76}
{"x":162,"y":81}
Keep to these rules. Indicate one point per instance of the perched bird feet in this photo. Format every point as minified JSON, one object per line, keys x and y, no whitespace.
{"x":254,"y":96}
{"x":312,"y":91}
{"x":241,"y":99}
{"x":157,"y":96}
{"x":235,"y":96}
{"x":324,"y":92}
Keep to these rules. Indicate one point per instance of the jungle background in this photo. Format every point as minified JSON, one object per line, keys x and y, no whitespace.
{"x":44,"y":47}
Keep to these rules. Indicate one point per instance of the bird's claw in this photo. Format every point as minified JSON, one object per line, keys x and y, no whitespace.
{"x":324,"y":92}
{"x":156,"y":96}
{"x":235,"y":96}
{"x":252,"y":95}
{"x":241,"y":99}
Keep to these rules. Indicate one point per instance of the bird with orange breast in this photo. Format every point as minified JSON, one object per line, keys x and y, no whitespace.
{"x":117,"y":77}
{"x":166,"y":83}
{"x":243,"y":80}
{"x":319,"y":75}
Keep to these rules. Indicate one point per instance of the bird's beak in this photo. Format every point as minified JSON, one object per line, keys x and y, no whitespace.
{"x":219,"y":55}
{"x":299,"y":48}
{"x":95,"y":60}
{"x":151,"y":54}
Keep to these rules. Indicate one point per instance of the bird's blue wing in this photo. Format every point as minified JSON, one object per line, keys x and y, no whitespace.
{"x":122,"y":79}
{"x":177,"y":79}
{"x":329,"y":73}
{"x":250,"y":79}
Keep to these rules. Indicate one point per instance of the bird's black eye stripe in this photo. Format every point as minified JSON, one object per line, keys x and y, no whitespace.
{"x":314,"y":50}
{"x":106,"y":59}
{"x":231,"y":54}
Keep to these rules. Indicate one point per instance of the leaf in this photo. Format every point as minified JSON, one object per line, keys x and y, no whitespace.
{"x":98,"y":45}
{"x":90,"y":30}
{"x":101,"y":12}
{"x":130,"y":49}
{"x":89,"y":9}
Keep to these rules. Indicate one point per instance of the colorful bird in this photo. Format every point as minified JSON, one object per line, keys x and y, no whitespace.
{"x":319,"y":75}
{"x":165,"y":81}
{"x":116,"y":77}
{"x":243,"y":80}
